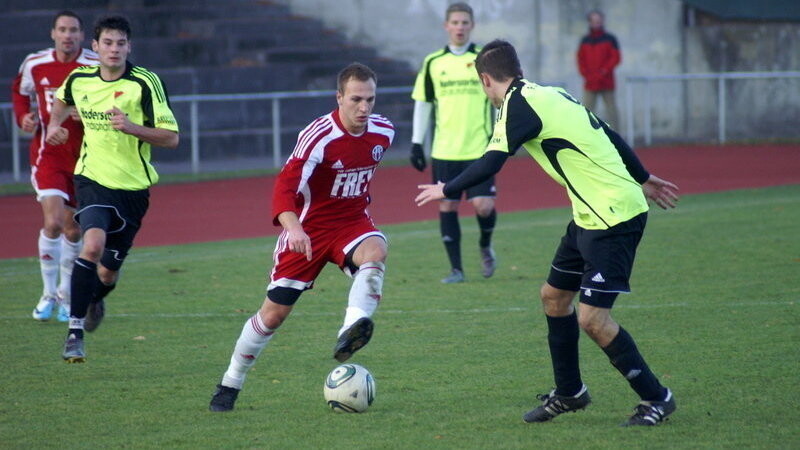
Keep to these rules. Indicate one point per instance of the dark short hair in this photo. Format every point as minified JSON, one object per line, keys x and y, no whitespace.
{"x":595,"y":11}
{"x":355,"y":70}
{"x":118,"y":23}
{"x":499,"y":60}
{"x":458,"y":7}
{"x":67,"y":13}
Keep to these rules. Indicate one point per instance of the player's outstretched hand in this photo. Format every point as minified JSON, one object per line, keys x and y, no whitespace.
{"x":56,"y":135}
{"x":662,"y":192}
{"x":418,"y":157}
{"x":430,"y":192}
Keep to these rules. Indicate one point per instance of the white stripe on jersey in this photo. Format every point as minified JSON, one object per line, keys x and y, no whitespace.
{"x":381,"y":125}
{"x":308,"y":134}
{"x":315,"y":157}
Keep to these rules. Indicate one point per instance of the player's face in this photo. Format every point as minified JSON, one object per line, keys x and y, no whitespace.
{"x":595,"y":21}
{"x":67,"y":35}
{"x":459,"y":25}
{"x":356,"y":103}
{"x":113,"y":48}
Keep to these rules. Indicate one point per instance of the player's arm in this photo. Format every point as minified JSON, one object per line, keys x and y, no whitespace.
{"x":662,"y":192}
{"x":632,"y":162}
{"x":297,"y":238}
{"x":420,"y":125}
{"x":156,"y":136}
{"x":27,"y":120}
{"x":479,"y":171}
{"x":56,"y":134}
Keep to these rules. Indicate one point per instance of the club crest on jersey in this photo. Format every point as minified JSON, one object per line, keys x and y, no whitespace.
{"x":377,"y":152}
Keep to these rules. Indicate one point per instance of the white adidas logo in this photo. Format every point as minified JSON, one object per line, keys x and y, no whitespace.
{"x":598,"y":278}
{"x":45,"y":82}
{"x":338,"y":165}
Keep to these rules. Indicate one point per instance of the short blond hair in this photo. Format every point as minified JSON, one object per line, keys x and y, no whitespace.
{"x":459,"y":7}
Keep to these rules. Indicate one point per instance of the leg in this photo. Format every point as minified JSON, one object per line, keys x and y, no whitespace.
{"x":450,"y":230}
{"x":255,"y":336}
{"x":570,"y":394}
{"x":589,"y":99}
{"x":70,"y":249}
{"x":49,"y":254}
{"x":487,"y":218}
{"x":611,"y":111}
{"x":622,"y":351}
{"x":365,"y":295}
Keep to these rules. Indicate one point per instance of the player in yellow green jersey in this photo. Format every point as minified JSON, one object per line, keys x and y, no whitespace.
{"x":124,"y":109}
{"x":448,"y":86}
{"x":608,"y":187}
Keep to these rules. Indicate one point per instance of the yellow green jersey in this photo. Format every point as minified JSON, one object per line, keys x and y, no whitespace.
{"x":462,"y":113}
{"x":573,"y":147}
{"x":110,"y":157}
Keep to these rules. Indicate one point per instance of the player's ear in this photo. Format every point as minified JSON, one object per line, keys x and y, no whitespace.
{"x":486,"y":81}
{"x":95,"y":46}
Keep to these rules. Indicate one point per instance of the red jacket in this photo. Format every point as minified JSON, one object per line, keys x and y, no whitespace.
{"x":598,"y":54}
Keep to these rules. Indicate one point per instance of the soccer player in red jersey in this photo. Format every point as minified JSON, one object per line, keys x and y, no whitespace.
{"x":320,"y":199}
{"x":39,"y":77}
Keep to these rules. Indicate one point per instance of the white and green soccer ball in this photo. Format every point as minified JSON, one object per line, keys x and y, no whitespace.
{"x":349,"y":388}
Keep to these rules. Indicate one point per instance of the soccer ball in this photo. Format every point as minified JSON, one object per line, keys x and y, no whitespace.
{"x":349,"y":388}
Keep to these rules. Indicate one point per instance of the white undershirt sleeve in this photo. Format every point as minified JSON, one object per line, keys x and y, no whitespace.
{"x":422,"y":121}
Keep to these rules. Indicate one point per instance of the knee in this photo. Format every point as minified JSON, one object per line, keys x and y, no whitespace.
{"x":483,"y":206}
{"x":589,"y":324}
{"x":92,"y":251}
{"x":53,"y":227}
{"x":556,"y":302}
{"x":107,"y":276}
{"x":271,"y":318}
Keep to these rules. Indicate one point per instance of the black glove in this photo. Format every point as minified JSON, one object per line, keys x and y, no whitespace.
{"x":418,"y":157}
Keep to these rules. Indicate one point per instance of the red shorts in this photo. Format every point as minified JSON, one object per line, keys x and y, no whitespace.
{"x":293,"y":270}
{"x":50,"y":180}
{"x":52,"y":170}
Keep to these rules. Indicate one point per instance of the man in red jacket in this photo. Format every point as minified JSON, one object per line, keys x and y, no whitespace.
{"x":598,"y":54}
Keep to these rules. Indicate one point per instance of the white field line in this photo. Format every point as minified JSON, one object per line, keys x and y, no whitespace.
{"x":537,"y":310}
{"x":20,"y":267}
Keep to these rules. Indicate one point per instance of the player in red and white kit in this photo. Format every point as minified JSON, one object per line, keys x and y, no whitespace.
{"x":320,"y":199}
{"x":40,"y":75}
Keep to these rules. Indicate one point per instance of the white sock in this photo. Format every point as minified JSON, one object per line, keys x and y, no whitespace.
{"x":365,"y":294}
{"x":69,"y":253}
{"x":255,"y":336}
{"x":49,"y":257}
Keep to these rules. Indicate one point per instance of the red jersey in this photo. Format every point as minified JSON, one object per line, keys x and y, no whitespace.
{"x":598,"y":55}
{"x":326,"y":179}
{"x":40,"y":75}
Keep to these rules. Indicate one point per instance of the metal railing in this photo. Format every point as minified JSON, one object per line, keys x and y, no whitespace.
{"x":721,"y":79}
{"x":195,"y":101}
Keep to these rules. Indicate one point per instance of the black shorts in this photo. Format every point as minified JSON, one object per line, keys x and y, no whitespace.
{"x":597,"y":262}
{"x":117,"y":212}
{"x":444,"y":171}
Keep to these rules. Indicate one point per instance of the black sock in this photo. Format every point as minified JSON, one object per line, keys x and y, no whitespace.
{"x":451,"y":236}
{"x":84,"y":285}
{"x":562,"y":336}
{"x":626,"y":358}
{"x":486,"y":225}
{"x":102,"y":291}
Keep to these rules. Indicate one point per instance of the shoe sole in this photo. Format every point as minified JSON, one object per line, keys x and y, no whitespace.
{"x":358,"y":336}
{"x":90,"y":325}
{"x":74,"y":359}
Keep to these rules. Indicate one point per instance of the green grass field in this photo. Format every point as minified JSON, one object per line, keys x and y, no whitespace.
{"x":714,"y":310}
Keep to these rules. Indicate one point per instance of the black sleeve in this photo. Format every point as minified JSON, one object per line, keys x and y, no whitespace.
{"x":632,"y":163}
{"x":481,"y":170}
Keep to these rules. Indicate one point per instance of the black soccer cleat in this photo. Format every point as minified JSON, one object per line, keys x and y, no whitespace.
{"x":355,"y":337}
{"x":94,"y":315}
{"x":73,"y":350}
{"x":553,"y":405}
{"x":223,"y":399}
{"x":652,"y":413}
